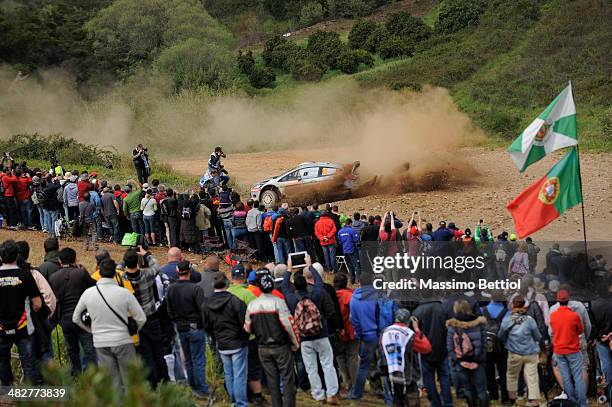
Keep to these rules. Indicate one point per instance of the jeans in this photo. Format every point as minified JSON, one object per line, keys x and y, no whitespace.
{"x":26,"y":356}
{"x":90,"y":235}
{"x":352,"y":262}
{"x":25,"y":207}
{"x":115,"y":230}
{"x":283,"y":246}
{"x":193,"y":343}
{"x":136,"y":221}
{"x":75,"y":339}
{"x":571,"y":370}
{"x":149,"y":224}
{"x":235,"y":372}
{"x":240,"y":234}
{"x":605,"y":360}
{"x":300,"y":244}
{"x":172,"y":231}
{"x":329,"y":252}
{"x":429,"y":381}
{"x":474,"y":383}
{"x":367,"y":349}
{"x":277,"y":362}
{"x":50,"y":218}
{"x":41,"y":217}
{"x":229,"y":238}
{"x":322,"y":349}
{"x":255,"y":239}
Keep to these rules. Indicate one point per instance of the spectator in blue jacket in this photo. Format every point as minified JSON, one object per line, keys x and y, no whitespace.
{"x":349,"y":238}
{"x":363,"y":318}
{"x":469,"y":368}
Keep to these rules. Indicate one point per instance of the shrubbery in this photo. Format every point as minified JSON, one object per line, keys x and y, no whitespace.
{"x":456,"y":15}
{"x":307,"y":69}
{"x":376,"y":37}
{"x":349,"y":60}
{"x":393,"y":46}
{"x":258,"y":77}
{"x":311,"y":13}
{"x":360,"y":32}
{"x":410,"y":29}
{"x":325,"y":46}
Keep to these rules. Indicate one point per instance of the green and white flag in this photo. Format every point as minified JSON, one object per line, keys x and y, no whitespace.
{"x":554,"y":128}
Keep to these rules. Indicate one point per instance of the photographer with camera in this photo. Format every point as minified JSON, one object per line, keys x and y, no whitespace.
{"x":140,"y":156}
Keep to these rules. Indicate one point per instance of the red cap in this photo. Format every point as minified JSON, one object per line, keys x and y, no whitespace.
{"x":93,"y":174}
{"x":563,"y":296}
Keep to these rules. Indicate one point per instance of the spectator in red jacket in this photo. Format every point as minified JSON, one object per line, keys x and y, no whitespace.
{"x":565,"y":330}
{"x":325,"y":230}
{"x":83,"y":185}
{"x":22,"y":193}
{"x":347,"y":352}
{"x":10,"y":202}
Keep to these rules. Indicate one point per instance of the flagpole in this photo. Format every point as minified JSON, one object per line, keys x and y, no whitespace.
{"x":582,"y":204}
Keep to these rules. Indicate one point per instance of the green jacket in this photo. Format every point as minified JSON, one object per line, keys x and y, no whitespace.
{"x":131,"y":203}
{"x":240,"y":291}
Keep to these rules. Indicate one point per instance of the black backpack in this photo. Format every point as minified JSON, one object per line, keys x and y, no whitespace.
{"x":186,"y":212}
{"x":492,"y":329}
{"x":535,"y":312}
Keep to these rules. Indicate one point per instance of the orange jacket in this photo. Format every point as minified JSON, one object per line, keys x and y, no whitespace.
{"x":325,"y":229}
{"x":344,"y":299}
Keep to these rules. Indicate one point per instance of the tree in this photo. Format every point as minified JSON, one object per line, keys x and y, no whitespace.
{"x":325,"y":46}
{"x":195,"y":64}
{"x":360,"y":32}
{"x":376,"y":37}
{"x":456,"y":15}
{"x":393,"y":46}
{"x":262,"y":77}
{"x":410,"y":29}
{"x":311,"y":13}
{"x":307,"y":69}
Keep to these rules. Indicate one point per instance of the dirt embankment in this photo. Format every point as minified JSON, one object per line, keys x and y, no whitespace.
{"x":479,"y":192}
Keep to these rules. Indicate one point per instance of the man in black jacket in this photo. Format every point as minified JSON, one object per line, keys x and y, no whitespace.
{"x":299,"y":230}
{"x":601,"y":311}
{"x":432,"y":321}
{"x":224,"y":315}
{"x":68,"y":284}
{"x":185,"y":301}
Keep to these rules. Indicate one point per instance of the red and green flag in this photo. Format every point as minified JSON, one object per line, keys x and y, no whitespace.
{"x":549,"y":197}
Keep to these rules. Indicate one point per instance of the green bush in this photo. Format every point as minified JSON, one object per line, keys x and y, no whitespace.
{"x":393,"y":46}
{"x":349,"y":8}
{"x":360,"y":32}
{"x":262,"y":77}
{"x":325,"y":46}
{"x":456,"y":15}
{"x":66,"y":150}
{"x":246,"y":62}
{"x":307,"y":69}
{"x":195,"y":65}
{"x":410,"y":29}
{"x":269,"y":47}
{"x":376,"y":37}
{"x":348,"y":62}
{"x":311,"y":13}
{"x":364,"y":57}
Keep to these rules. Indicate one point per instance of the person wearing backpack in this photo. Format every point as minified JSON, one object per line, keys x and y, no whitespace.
{"x":169,"y":215}
{"x":189,"y":234}
{"x":400,"y":343}
{"x":312,"y":307}
{"x":521,"y":337}
{"x":465,"y":342}
{"x":519,"y":263}
{"x":495,"y":312}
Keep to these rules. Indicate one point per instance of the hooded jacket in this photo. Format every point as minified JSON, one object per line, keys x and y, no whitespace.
{"x":71,"y":194}
{"x":474,"y":327}
{"x":363,"y":313}
{"x":344,"y":299}
{"x":224,"y":314}
{"x":50,"y":265}
{"x":325,"y":228}
{"x":519,"y":332}
{"x":349,"y":238}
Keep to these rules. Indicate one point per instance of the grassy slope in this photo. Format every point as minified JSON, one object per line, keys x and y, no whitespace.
{"x":505,"y":71}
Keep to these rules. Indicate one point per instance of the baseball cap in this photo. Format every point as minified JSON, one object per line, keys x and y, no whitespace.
{"x":238,"y":271}
{"x":145,"y":185}
{"x":563,"y":296}
{"x":266,"y":283}
{"x":512,"y":237}
{"x":93,"y":174}
{"x":402,"y":315}
{"x":443,"y":224}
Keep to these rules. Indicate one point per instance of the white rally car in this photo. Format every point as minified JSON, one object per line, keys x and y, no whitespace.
{"x":308,"y":181}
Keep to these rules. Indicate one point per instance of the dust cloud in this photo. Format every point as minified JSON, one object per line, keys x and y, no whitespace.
{"x":404,"y":140}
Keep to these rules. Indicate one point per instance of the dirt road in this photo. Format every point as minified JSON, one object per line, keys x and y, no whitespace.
{"x":497,"y":182}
